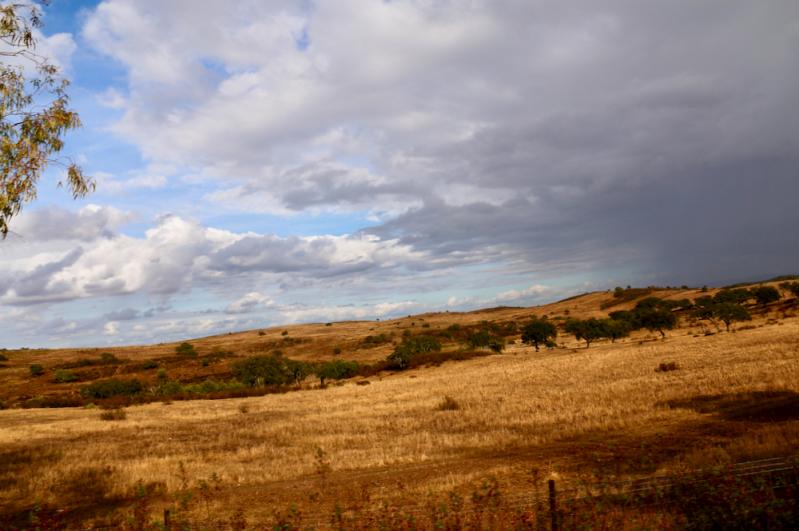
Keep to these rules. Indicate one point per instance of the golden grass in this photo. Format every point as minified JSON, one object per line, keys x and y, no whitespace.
{"x":573,"y":413}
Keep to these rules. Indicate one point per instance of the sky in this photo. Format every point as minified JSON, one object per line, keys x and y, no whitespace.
{"x":267,"y":162}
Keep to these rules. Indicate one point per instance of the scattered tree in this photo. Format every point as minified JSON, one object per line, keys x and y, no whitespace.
{"x":588,"y":329}
{"x":728,"y":312}
{"x":410,"y":347}
{"x":735,"y":296}
{"x":616,"y":329}
{"x":539,"y":331}
{"x":262,"y":370}
{"x":336,"y":370}
{"x":766,"y":294}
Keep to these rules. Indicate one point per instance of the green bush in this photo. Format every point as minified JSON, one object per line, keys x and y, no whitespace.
{"x":373,"y":341}
{"x":150,"y":364}
{"x":403,"y":353}
{"x":65,"y":376}
{"x":112,"y":387}
{"x":262,"y":370}
{"x":106,"y":358}
{"x":336,"y":370}
{"x":36,"y":369}
{"x":186,"y":349}
{"x":113,"y":414}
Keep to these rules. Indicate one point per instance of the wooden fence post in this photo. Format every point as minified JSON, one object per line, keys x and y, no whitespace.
{"x":166,"y":519}
{"x":553,"y":506}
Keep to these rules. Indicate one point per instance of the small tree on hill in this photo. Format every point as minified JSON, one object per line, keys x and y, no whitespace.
{"x":298,"y":370}
{"x":657,"y":319}
{"x":539,"y":331}
{"x":587,"y":330}
{"x":766,"y":294}
{"x":728,"y":313}
{"x":260,"y":370}
{"x":616,"y":329}
{"x":410,"y":347}
{"x":735,"y":296}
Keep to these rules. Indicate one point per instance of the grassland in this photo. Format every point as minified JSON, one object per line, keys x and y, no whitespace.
{"x":575,"y":414}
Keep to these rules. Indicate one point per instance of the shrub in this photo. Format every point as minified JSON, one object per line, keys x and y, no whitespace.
{"x":55,"y":401}
{"x":65,"y":376}
{"x":110,"y":388}
{"x":36,"y":369}
{"x":497,"y":344}
{"x":150,"y":364}
{"x":373,"y":341}
{"x":336,"y":370}
{"x":667,"y":366}
{"x":113,"y":414}
{"x":186,"y":349}
{"x":403,"y":353}
{"x":448,"y":404}
{"x":108,"y":358}
{"x":3,"y":357}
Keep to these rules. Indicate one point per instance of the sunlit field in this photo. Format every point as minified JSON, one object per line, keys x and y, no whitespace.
{"x":519,"y":417}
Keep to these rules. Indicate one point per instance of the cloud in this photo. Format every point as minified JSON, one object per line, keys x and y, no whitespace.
{"x":55,"y":223}
{"x":536,"y":290}
{"x":519,"y":131}
{"x":179,"y":255}
{"x":249,"y":302}
{"x":109,"y":185}
{"x":301,"y":313}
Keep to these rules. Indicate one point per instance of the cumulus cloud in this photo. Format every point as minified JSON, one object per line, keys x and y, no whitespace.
{"x":179,"y":255}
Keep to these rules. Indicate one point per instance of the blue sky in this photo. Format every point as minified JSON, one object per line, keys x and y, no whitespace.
{"x":289,"y":161}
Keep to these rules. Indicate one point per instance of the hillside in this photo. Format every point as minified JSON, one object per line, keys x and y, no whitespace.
{"x":404,"y":438}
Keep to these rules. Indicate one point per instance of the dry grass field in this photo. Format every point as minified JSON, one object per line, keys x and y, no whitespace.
{"x":579,"y":415}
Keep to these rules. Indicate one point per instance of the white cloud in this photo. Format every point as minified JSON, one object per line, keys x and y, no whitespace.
{"x":536,"y":290}
{"x":173,"y":256}
{"x":299,"y":314}
{"x":249,"y":302}
{"x":109,"y":185}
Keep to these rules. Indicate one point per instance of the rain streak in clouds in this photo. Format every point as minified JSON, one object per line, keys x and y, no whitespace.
{"x":489,"y":152}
